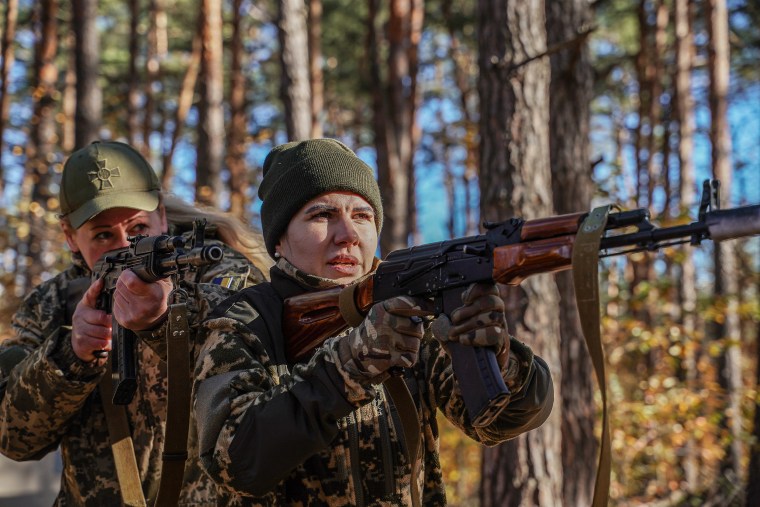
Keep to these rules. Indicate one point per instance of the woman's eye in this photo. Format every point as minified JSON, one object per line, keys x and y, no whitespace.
{"x":138,"y":229}
{"x":103,"y":236}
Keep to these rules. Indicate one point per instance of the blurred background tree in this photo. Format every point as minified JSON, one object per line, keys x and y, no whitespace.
{"x":469,"y":111}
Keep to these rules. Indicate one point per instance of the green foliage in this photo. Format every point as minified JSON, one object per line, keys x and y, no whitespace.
{"x":347,"y":81}
{"x":664,"y":412}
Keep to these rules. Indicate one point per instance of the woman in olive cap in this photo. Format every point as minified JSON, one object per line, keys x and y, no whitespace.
{"x":50,"y":370}
{"x":325,"y":431}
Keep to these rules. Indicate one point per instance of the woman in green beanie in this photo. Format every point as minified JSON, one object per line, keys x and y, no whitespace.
{"x":326,"y":431}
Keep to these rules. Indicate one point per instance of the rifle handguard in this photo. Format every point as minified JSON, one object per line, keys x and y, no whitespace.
{"x":347,"y":306}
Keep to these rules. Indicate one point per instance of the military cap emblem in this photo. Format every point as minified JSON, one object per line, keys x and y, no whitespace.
{"x":104,"y":174}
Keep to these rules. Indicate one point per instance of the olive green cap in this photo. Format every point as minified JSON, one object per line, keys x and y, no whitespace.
{"x":105,"y":175}
{"x":297,"y":172}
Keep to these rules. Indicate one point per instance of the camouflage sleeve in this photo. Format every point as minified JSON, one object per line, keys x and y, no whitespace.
{"x":530,"y":402}
{"x":42,"y":382}
{"x":256,"y":421}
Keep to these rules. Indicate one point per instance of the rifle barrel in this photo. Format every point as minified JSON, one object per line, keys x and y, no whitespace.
{"x":734,"y":223}
{"x":717,"y":225}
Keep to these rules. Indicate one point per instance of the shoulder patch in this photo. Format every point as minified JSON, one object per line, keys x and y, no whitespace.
{"x":233,"y":282}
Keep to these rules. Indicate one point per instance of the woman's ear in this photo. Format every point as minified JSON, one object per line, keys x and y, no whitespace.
{"x":71,"y":239}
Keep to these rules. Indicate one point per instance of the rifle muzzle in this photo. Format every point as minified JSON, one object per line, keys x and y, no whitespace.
{"x":734,"y":223}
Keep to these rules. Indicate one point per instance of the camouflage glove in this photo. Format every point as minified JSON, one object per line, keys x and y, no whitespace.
{"x":479,"y":322}
{"x":388,"y":336}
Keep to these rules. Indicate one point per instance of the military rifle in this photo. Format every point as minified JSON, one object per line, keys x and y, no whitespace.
{"x":152,"y":258}
{"x":507,"y":253}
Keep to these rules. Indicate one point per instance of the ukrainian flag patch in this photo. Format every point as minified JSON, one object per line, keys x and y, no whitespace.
{"x":228,"y":282}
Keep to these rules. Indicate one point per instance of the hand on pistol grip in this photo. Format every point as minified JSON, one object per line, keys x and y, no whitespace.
{"x":479,"y":322}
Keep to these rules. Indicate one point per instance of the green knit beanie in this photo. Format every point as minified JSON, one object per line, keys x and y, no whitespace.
{"x":297,"y":172}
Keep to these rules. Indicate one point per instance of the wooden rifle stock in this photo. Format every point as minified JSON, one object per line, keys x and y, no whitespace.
{"x":311,"y":318}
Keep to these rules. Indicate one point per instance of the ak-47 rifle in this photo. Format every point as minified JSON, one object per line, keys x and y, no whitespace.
{"x":507,"y":253}
{"x":151,"y":258}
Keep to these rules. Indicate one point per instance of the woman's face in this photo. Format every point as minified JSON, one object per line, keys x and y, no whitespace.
{"x":110,"y":229}
{"x":333,"y":236}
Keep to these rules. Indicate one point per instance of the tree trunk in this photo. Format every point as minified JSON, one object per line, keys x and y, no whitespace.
{"x":462,"y":60}
{"x":89,"y":111}
{"x":294,"y":57}
{"x":133,"y":92}
{"x":655,"y":73}
{"x":640,"y":270}
{"x":69,"y":102}
{"x":570,"y":98}
{"x":40,"y":151}
{"x":725,"y":292}
{"x":687,"y":288}
{"x":236,"y":135}
{"x":152,"y":75}
{"x":753,"y":476}
{"x":516,"y":181}
{"x":6,"y":53}
{"x":316,"y":77}
{"x":394,"y":107}
{"x":184,"y":102}
{"x":208,"y":184}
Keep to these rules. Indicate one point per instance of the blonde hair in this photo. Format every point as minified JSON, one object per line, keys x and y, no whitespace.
{"x":229,"y":229}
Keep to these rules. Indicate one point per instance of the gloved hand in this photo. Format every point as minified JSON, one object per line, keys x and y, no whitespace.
{"x":388,"y":336}
{"x":479,"y":322}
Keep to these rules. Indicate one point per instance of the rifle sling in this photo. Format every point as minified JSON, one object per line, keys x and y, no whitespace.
{"x":347,"y":306}
{"x":121,"y":446}
{"x":586,"y":282}
{"x":177,"y":422}
{"x":410,"y":426}
{"x":177,"y":408}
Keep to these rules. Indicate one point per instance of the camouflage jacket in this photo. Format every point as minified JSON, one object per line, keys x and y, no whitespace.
{"x":49,"y":397}
{"x":275,"y":433}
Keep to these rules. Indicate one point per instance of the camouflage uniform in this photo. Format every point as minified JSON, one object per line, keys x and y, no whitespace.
{"x":49,"y":397}
{"x":307,"y":434}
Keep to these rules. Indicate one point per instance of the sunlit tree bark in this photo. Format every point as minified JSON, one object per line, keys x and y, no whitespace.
{"x":394,"y":107}
{"x":567,"y":24}
{"x":6,"y":53}
{"x":69,"y":97}
{"x":725,"y":291}
{"x":210,"y":158}
{"x":152,"y":71}
{"x":133,"y":92}
{"x":236,"y":135}
{"x":316,"y":78}
{"x":687,"y":288}
{"x":294,"y":57}
{"x":89,"y":108}
{"x":515,"y":180}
